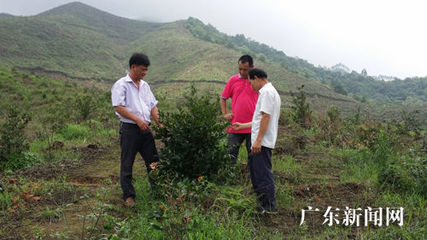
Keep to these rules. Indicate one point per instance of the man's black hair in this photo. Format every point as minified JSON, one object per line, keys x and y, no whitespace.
{"x":139,"y":59}
{"x":257,"y":72}
{"x":246,"y":59}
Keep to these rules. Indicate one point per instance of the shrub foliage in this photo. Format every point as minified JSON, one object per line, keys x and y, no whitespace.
{"x":193,"y":138}
{"x":12,"y":137}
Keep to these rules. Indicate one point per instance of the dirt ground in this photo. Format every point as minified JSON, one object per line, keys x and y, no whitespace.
{"x":71,"y":207}
{"x":75,"y":197}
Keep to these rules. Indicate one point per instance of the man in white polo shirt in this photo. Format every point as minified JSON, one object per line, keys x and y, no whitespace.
{"x":263,"y":137}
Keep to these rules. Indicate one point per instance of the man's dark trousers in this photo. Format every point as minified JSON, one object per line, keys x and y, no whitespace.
{"x":234,"y":142}
{"x":262,"y":178}
{"x":132,"y":141}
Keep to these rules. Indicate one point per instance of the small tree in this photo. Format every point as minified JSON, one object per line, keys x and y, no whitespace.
{"x":12,"y":137}
{"x":84,"y":104}
{"x":55,"y":118}
{"x":301,"y":112}
{"x":193,"y":138}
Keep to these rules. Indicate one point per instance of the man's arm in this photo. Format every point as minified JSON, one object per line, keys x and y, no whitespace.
{"x":155,"y":116}
{"x":239,"y":126}
{"x":265,"y":119}
{"x":227,"y":116}
{"x":143,"y":125}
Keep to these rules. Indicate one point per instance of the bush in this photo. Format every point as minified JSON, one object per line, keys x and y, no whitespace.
{"x":12,"y":137}
{"x":193,"y":138}
{"x":84,"y":105}
{"x":21,"y":160}
{"x":301,"y":112}
{"x":410,"y":124}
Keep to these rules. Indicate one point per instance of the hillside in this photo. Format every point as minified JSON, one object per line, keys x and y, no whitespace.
{"x":60,"y":153}
{"x":113,"y":27}
{"x":63,"y":180}
{"x":5,"y":15}
{"x":81,"y":42}
{"x":339,"y":78}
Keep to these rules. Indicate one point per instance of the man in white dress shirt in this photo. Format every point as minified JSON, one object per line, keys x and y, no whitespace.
{"x":263,"y":137}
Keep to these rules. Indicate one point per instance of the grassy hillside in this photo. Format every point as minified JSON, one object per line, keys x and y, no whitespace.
{"x":178,"y":56}
{"x":356,"y":85}
{"x":59,"y":44}
{"x":65,"y":185}
{"x":78,"y":41}
{"x":113,"y":27}
{"x":60,"y":154}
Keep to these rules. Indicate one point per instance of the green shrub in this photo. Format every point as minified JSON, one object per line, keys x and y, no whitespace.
{"x":193,"y":138}
{"x":410,"y":123}
{"x":301,"y":112}
{"x":5,"y":200}
{"x":84,"y":104}
{"x":22,"y":160}
{"x":12,"y":137}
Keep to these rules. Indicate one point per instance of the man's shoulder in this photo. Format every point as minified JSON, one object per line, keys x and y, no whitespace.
{"x":234,"y":78}
{"x":121,"y":80}
{"x":269,"y":90}
{"x":144,"y":84}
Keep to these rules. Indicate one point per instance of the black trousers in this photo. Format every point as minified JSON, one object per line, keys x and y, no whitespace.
{"x":133,"y":140}
{"x":262,"y":178}
{"x":234,"y":142}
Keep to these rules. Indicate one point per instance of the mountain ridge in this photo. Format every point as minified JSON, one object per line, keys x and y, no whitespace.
{"x":82,"y":42}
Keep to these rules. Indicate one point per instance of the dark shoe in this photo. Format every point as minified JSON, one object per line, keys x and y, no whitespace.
{"x":269,"y":212}
{"x":129,"y":202}
{"x":266,"y":211}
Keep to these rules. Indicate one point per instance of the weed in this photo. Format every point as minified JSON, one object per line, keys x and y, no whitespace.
{"x":5,"y":200}
{"x":288,"y":168}
{"x":74,"y":131}
{"x":51,"y":215}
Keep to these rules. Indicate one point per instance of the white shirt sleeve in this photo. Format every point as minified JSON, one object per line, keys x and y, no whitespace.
{"x":118,"y":95}
{"x":267,"y":103}
{"x":152,"y":100}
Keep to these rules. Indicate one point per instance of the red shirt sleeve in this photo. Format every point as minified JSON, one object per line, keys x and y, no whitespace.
{"x":226,"y":93}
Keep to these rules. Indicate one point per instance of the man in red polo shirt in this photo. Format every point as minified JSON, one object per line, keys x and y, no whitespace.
{"x":243,"y":101}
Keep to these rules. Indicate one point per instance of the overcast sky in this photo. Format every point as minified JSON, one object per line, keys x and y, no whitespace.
{"x":383,"y":36}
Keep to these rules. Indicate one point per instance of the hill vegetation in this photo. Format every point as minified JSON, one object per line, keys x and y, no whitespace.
{"x":81,"y":42}
{"x":63,"y":181}
{"x":359,"y":86}
{"x":59,"y":138}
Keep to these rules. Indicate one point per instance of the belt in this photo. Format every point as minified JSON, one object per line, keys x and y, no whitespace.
{"x":131,"y":124}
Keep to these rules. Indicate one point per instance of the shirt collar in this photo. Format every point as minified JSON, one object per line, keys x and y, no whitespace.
{"x":264,"y":87}
{"x":240,"y":76}
{"x":128,"y":79}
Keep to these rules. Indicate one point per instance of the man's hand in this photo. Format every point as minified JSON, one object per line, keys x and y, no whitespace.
{"x":143,"y":125}
{"x":228,"y":116}
{"x":256,"y":147}
{"x":237,"y":126}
